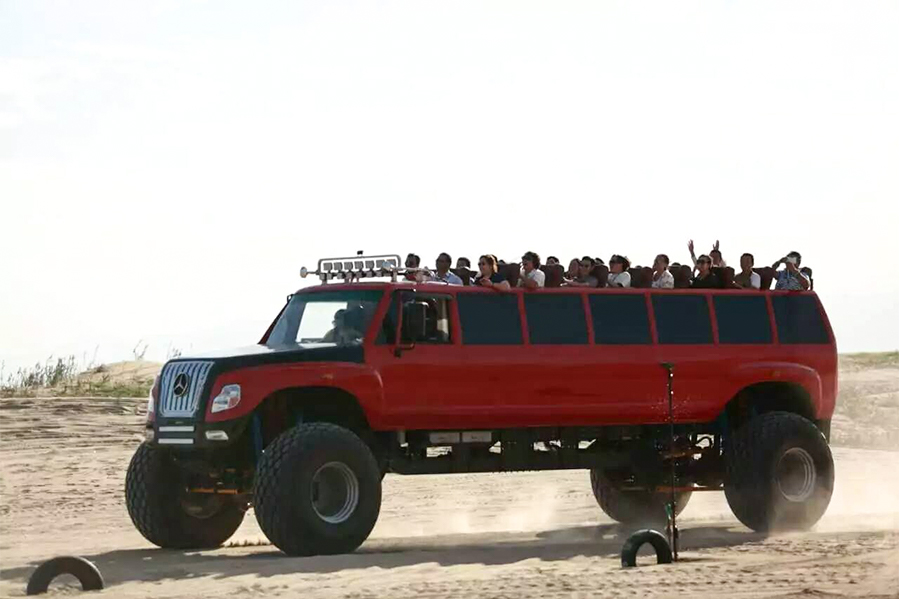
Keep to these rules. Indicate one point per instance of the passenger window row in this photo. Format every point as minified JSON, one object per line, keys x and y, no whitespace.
{"x":493,"y":319}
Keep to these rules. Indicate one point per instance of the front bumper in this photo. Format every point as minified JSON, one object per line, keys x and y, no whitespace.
{"x":188,"y":433}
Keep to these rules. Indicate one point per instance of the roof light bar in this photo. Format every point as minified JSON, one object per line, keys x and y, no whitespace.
{"x":356,"y":267}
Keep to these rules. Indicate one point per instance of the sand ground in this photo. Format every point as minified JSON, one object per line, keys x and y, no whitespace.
{"x":63,"y":462}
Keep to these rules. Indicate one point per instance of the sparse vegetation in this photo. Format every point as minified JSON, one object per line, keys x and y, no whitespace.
{"x":70,"y":377}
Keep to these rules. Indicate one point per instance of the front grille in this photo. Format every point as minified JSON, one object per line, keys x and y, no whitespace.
{"x":189,"y":377}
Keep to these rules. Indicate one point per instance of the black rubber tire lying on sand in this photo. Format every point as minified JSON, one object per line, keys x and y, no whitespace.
{"x":83,"y":570}
{"x":166,"y":514}
{"x":633,"y":506}
{"x":646,"y":536}
{"x":317,"y":490}
{"x":779,"y":473}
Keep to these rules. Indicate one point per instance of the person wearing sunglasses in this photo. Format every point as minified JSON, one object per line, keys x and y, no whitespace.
{"x":618,"y":272}
{"x":531,"y":277}
{"x":488,"y":275}
{"x":584,"y":277}
{"x":705,"y":278}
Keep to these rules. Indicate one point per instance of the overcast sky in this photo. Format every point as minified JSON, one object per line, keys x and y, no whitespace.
{"x":166,"y":168}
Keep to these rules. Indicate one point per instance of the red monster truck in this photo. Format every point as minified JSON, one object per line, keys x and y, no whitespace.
{"x":357,"y":378}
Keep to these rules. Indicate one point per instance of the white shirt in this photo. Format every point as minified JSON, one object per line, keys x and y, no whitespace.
{"x":666,"y":281}
{"x":755,"y":281}
{"x":622,"y":279}
{"x":535,"y":275}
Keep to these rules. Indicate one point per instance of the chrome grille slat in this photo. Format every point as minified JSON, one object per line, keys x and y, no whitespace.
{"x":186,"y":404}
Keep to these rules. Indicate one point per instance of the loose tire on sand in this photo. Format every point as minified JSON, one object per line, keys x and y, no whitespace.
{"x":779,"y":473}
{"x":317,"y":491}
{"x":646,"y":536}
{"x":83,"y":570}
{"x":165,"y":514}
{"x":633,"y":506}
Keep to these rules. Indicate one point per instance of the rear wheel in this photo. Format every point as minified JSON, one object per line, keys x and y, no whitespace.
{"x":168,"y":516}
{"x":779,"y":473}
{"x":633,"y":506}
{"x":318,"y":490}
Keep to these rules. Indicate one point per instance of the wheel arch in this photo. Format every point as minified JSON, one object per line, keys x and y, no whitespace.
{"x":769,"y":396}
{"x":287,"y":407}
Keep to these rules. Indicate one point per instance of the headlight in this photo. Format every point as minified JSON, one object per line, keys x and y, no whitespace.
{"x":228,"y":398}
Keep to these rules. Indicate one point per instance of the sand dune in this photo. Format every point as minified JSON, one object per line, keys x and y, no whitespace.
{"x":62,"y":467}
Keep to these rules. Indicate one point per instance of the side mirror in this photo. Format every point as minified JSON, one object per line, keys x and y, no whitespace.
{"x":414,"y":317}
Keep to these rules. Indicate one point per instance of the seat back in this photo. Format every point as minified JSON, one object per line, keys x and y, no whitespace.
{"x":553,"y":275}
{"x":465,"y":274}
{"x":682,"y":277}
{"x":601,"y":272}
{"x":766,"y":275}
{"x":647,"y":277}
{"x":510,"y":272}
{"x":637,"y":277}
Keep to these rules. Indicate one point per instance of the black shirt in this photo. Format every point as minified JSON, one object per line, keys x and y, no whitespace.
{"x":710,"y":281}
{"x":495,"y":278}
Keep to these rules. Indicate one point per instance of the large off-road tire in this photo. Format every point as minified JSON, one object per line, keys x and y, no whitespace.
{"x":633,"y":506}
{"x":779,"y":473}
{"x":317,"y":491}
{"x":168,"y":516}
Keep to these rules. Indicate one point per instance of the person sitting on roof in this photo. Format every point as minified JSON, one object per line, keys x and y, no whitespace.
{"x":444,"y":273}
{"x":618,"y":272}
{"x":662,"y":279}
{"x":808,"y":272}
{"x":791,"y":277}
{"x":531,"y":277}
{"x":488,"y":275}
{"x":584,"y":277}
{"x":412,"y":262}
{"x":747,"y":278}
{"x":705,"y":278}
{"x":572,"y":271}
{"x":715,"y":255}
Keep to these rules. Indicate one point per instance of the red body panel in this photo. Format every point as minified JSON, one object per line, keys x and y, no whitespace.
{"x":452,"y":386}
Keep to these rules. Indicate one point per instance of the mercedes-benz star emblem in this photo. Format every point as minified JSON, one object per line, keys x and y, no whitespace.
{"x":181,"y":384}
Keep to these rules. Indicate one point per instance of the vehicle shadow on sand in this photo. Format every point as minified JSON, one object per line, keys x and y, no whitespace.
{"x":149,"y":565}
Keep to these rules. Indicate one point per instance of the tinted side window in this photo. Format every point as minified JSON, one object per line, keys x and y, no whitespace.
{"x":743,"y":319}
{"x":556,"y":319}
{"x":799,"y":320}
{"x":387,"y":332}
{"x":489,"y":318}
{"x":620,"y":319}
{"x":682,"y":319}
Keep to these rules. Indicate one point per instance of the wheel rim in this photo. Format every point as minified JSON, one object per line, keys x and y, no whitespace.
{"x":334,"y":492}
{"x":795,"y":475}
{"x":201,"y":506}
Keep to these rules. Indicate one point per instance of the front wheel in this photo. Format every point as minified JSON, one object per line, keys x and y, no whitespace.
{"x":317,"y":491}
{"x":168,"y":516}
{"x":779,"y":473}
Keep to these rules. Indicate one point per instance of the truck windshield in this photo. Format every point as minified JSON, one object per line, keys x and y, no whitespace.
{"x":336,"y":318}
